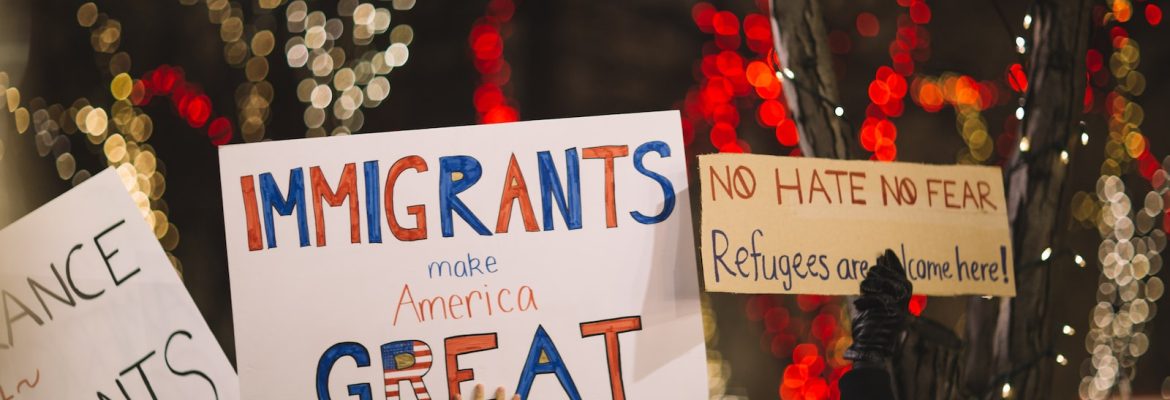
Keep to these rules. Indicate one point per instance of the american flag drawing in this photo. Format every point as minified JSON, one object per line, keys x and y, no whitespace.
{"x":406,"y":360}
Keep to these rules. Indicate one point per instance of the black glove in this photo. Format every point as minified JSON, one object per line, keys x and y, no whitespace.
{"x":881,"y":312}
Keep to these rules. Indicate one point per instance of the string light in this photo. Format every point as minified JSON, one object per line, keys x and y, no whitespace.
{"x":1131,"y":239}
{"x":121,"y":130}
{"x":1045,"y":254}
{"x":1006,"y":391}
{"x":1025,"y":144}
{"x":342,"y":69}
{"x":839,"y":111}
{"x":491,"y":100}
{"x":788,"y":73}
{"x":1027,"y":21}
{"x":1060,"y":359}
{"x":1021,"y":45}
{"x":1064,"y":157}
{"x":1068,"y":330}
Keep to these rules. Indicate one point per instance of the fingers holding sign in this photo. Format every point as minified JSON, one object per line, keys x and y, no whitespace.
{"x":479,"y":393}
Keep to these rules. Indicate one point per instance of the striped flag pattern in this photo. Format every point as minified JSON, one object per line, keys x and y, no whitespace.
{"x":406,"y":360}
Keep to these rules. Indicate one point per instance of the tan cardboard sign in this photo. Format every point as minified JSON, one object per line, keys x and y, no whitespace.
{"x":815,"y":226}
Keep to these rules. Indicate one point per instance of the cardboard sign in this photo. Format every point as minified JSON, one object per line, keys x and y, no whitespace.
{"x":551,"y":257}
{"x":809,"y":225}
{"x":94,"y":310}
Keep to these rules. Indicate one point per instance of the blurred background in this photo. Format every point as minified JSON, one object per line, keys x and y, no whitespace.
{"x":153,"y":87}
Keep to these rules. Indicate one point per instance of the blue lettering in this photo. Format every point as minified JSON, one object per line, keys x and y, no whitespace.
{"x":273,"y":200}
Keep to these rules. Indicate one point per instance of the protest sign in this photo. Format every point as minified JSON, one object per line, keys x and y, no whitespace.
{"x":552,"y":257}
{"x":810,"y":225}
{"x":93,"y":308}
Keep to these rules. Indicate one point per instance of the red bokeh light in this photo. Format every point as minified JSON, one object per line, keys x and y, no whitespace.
{"x":500,"y":113}
{"x":1019,"y":81}
{"x":729,"y":63}
{"x":726,"y":23}
{"x":1147,"y":164}
{"x":809,"y":302}
{"x":732,"y":147}
{"x":726,"y":113}
{"x":782,"y":345}
{"x":486,"y":42}
{"x":919,"y":12}
{"x":501,"y":10}
{"x":704,"y":14}
{"x":220,"y":131}
{"x":771,"y":91}
{"x":802,"y":379}
{"x":487,"y":96}
{"x":756,"y":27}
{"x":776,"y":319}
{"x":867,"y":24}
{"x":884,"y":150}
{"x":1153,"y":14}
{"x":198,"y":110}
{"x":824,"y":326}
{"x":897,"y":86}
{"x":163,"y":79}
{"x":771,"y":113}
{"x":188,"y":101}
{"x":759,"y":74}
{"x":786,"y":133}
{"x":1117,"y":32}
{"x":917,"y":304}
{"x":728,"y":42}
{"x":722,"y":134}
{"x":718,"y":90}
{"x":1093,"y":60}
{"x":879,"y":92}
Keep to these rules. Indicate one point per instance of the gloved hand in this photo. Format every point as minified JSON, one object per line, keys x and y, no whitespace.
{"x":881,"y":312}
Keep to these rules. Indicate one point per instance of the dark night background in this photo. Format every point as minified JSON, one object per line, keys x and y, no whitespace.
{"x":569,"y":58}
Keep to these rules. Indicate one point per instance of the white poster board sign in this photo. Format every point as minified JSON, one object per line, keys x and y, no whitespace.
{"x":552,"y":257}
{"x":94,"y":310}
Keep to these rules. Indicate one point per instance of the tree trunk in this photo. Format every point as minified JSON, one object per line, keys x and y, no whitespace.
{"x":1010,"y":339}
{"x":798,"y":29}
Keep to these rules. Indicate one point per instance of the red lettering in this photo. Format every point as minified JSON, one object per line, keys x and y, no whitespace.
{"x":817,"y":186}
{"x":251,"y":213}
{"x":458,"y":345}
{"x":515,"y":188}
{"x":405,"y":295}
{"x":611,"y":328}
{"x":854,"y":187}
{"x":346,"y":189}
{"x":968,"y":193}
{"x":500,"y":301}
{"x":837,"y":174}
{"x":948,"y":194}
{"x":726,"y":185}
{"x":931,"y":191}
{"x":780,"y":188}
{"x":607,"y":153}
{"x":418,"y":211}
{"x":984,"y":191}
